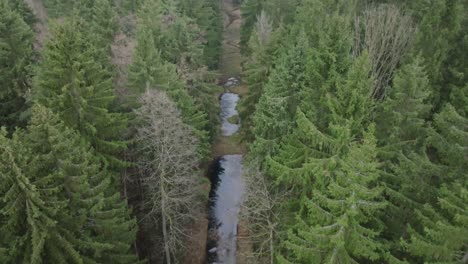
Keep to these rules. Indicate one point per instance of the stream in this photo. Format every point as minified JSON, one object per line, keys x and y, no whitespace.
{"x":227,"y":189}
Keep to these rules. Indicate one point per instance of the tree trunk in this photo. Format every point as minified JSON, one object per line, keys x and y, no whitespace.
{"x":164,"y":225}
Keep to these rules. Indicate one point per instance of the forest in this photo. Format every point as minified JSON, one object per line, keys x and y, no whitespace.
{"x":340,"y":128}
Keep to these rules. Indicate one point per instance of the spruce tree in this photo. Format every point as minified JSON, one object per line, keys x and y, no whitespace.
{"x":24,"y":10}
{"x":309,"y":147}
{"x":264,"y":44}
{"x":250,"y":9}
{"x":149,"y":69}
{"x":310,"y":155}
{"x":337,"y":224}
{"x":28,"y":206}
{"x":439,"y":24}
{"x":276,"y":107}
{"x":16,"y":56}
{"x":79,"y":90}
{"x":68,"y":213}
{"x":401,"y":117}
{"x":445,"y":235}
{"x":402,"y":133}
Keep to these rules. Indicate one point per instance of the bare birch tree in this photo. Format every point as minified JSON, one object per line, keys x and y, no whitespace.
{"x":168,"y":160}
{"x":260,"y":210}
{"x":386,"y":33}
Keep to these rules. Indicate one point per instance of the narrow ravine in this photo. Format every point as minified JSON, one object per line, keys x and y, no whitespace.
{"x":227,"y":187}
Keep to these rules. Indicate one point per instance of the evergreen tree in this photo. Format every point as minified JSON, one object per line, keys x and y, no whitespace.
{"x":401,"y":117}
{"x":24,"y":10}
{"x":213,"y":34}
{"x":445,"y":236}
{"x":310,"y":155}
{"x":27,"y":220}
{"x":308,"y":147}
{"x":439,"y":24}
{"x":16,"y":56}
{"x":103,"y":25}
{"x":150,"y":70}
{"x":275,"y":110}
{"x":79,"y":90}
{"x":250,"y":9}
{"x":58,"y":8}
{"x":66,"y":212}
{"x":264,"y":44}
{"x":337,"y":224}
{"x":448,"y":143}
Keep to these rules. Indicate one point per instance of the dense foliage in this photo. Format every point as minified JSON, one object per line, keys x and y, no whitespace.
{"x":356,"y":118}
{"x":70,"y":157}
{"x":357,"y":115}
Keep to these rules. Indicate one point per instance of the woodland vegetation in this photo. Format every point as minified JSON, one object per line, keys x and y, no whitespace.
{"x":89,"y":172}
{"x":358,"y":126}
{"x":356,"y":121}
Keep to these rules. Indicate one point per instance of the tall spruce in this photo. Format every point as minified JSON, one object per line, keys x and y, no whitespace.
{"x":79,"y":90}
{"x":264,"y":44}
{"x":16,"y":58}
{"x":337,"y":224}
{"x":65,"y":211}
{"x":276,"y":107}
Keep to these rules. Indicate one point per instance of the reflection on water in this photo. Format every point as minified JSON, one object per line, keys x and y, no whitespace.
{"x":228,"y":109}
{"x":227,"y":189}
{"x":228,"y":199}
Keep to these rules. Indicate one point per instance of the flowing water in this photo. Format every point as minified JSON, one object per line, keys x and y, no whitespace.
{"x":227,"y":192}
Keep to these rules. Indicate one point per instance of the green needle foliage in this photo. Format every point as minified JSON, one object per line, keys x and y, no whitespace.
{"x":57,"y":205}
{"x":76,"y":87}
{"x":16,"y":59}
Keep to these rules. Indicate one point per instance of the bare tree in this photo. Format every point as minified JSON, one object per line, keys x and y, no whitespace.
{"x":259,"y":209}
{"x":386,"y":33}
{"x":168,"y":160}
{"x":263,"y":27}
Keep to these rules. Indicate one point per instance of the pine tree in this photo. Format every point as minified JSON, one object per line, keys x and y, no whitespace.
{"x":26,"y":218}
{"x":79,"y":90}
{"x":309,"y":148}
{"x":445,"y":235}
{"x":438,"y":27}
{"x":16,"y":57}
{"x":401,"y":119}
{"x":264,"y":45}
{"x":24,"y":10}
{"x":337,"y":224}
{"x":149,"y":69}
{"x":275,"y":110}
{"x":103,"y":25}
{"x":309,"y":155}
{"x":250,"y":9}
{"x":414,"y":186}
{"x":77,"y":216}
{"x":58,"y":8}
{"x":213,"y":34}
{"x":456,"y":73}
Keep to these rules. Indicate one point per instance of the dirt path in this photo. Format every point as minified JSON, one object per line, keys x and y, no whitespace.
{"x":41,"y":25}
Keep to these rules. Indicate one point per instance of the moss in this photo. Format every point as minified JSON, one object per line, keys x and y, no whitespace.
{"x":234,"y":119}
